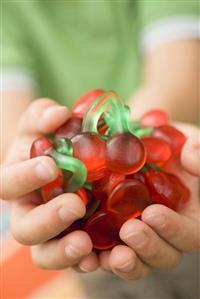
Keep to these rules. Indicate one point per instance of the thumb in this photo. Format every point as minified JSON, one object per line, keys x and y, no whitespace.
{"x":190,"y":156}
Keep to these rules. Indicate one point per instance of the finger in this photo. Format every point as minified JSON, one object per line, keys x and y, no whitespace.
{"x":148,"y":245}
{"x":42,"y":117}
{"x":126,"y":264}
{"x":104,"y":260}
{"x":33,"y":225}
{"x":89,"y":263}
{"x":178,"y":230}
{"x":189,"y":130}
{"x":62,"y":253}
{"x":190,"y":156}
{"x":24,"y":177}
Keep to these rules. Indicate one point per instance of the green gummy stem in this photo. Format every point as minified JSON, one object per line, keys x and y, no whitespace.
{"x":64,"y":146}
{"x":74,"y":165}
{"x":107,"y":101}
{"x":92,"y":210}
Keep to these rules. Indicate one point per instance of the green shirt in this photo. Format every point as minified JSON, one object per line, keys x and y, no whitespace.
{"x":71,"y":47}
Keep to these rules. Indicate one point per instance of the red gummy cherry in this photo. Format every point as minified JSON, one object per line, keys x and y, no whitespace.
{"x":103,"y":229}
{"x":129,"y":198}
{"x":92,"y":205}
{"x":85,"y":101}
{"x":77,"y":225}
{"x":91,"y":150}
{"x":172,"y":136}
{"x":53,"y":189}
{"x":138,"y":176}
{"x":125,"y":153}
{"x":157,"y":150}
{"x":83,"y":195}
{"x":41,"y":147}
{"x":185,"y":193}
{"x":166,"y":189}
{"x":102,"y":126}
{"x":155,"y":118}
{"x":70,"y":128}
{"x":103,"y":187}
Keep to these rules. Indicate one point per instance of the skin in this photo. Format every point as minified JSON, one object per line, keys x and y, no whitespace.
{"x":166,"y":234}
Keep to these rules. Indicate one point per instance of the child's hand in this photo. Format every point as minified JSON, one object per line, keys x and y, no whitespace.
{"x":160,"y":239}
{"x":34,"y":223}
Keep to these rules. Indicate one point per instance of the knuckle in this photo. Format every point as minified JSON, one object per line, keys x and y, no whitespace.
{"x":41,"y":260}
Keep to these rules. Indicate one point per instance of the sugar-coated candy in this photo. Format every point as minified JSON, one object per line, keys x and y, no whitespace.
{"x":116,"y":165}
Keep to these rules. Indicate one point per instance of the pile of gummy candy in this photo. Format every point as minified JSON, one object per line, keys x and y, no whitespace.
{"x":115,"y":164}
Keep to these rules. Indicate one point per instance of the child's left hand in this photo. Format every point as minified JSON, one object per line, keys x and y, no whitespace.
{"x":160,"y":239}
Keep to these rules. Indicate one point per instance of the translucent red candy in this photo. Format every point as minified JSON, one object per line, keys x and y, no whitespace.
{"x":166,"y":189}
{"x":84,"y":102}
{"x":138,"y":176}
{"x":125,"y":153}
{"x":103,"y":229}
{"x":91,"y":150}
{"x":157,"y":150}
{"x":53,"y":189}
{"x":172,"y":136}
{"x":102,"y":127}
{"x":155,"y":118}
{"x":116,"y":165}
{"x":77,"y":225}
{"x":92,"y":206}
{"x":128,"y":199}
{"x":83,"y":195}
{"x":70,"y":128}
{"x":41,"y":147}
{"x":103,"y":187}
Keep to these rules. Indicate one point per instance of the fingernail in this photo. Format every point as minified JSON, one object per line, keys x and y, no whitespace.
{"x":72,"y":251}
{"x":82,"y":268}
{"x":138,"y":239}
{"x":156,"y":220}
{"x":127,"y":267}
{"x":44,"y":171}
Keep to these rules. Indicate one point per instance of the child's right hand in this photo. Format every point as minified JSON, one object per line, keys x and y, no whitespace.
{"x":34,"y":223}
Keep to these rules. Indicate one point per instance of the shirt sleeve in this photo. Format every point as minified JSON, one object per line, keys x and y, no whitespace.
{"x":164,"y":20}
{"x":17,"y":62}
